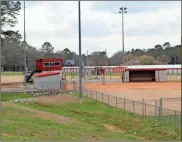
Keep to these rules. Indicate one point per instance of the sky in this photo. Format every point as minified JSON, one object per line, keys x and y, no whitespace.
{"x":146,"y":24}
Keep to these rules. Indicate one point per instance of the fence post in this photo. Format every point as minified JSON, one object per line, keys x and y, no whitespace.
{"x":102,"y":97}
{"x":74,"y":85}
{"x":108,"y":99}
{"x":145,"y":109}
{"x":65,"y":77}
{"x":91,"y":94}
{"x":175,"y":121}
{"x":155,"y":108}
{"x":96,"y":95}
{"x":134,"y":106}
{"x":124,"y":103}
{"x":161,"y":106}
{"x":116,"y":101}
{"x":143,"y":106}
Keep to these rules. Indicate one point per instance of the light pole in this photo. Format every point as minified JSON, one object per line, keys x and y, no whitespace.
{"x":122,"y":11}
{"x":80,"y":55}
{"x":24,"y":44}
{"x":87,"y":58}
{"x":0,"y":80}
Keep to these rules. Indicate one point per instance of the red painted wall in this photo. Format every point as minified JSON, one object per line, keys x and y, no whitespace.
{"x":49,"y":64}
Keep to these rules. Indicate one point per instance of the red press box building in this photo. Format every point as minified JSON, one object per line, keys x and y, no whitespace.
{"x":47,"y":73}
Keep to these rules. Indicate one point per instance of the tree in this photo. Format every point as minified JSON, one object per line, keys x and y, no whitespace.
{"x":117,"y":59}
{"x":47,"y":48}
{"x":138,"y":52}
{"x":158,"y":47}
{"x":66,"y":51}
{"x":146,"y":60}
{"x":129,"y":57}
{"x":9,"y":12}
{"x":166,"y":45}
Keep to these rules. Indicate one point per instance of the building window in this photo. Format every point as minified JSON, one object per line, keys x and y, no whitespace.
{"x":57,"y":64}
{"x":52,"y":64}
{"x":46,"y":64}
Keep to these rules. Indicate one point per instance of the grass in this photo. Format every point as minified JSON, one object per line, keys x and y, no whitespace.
{"x":11,"y":73}
{"x":175,"y":120}
{"x":89,"y":116}
{"x":13,"y":96}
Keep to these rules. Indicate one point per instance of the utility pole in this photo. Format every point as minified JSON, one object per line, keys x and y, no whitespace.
{"x":80,"y":55}
{"x":24,"y":45}
{"x":122,"y":11}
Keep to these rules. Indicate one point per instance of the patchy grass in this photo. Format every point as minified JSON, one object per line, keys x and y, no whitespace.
{"x":94,"y":121}
{"x":175,"y":121}
{"x":13,"y":96}
{"x":11,"y":73}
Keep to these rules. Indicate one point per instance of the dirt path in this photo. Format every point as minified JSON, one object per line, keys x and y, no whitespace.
{"x":59,"y":99}
{"x":12,"y":78}
{"x":41,"y":114}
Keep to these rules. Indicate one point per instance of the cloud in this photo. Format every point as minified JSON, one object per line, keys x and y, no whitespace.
{"x":57,"y":22}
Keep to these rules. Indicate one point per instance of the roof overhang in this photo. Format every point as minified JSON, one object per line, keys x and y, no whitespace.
{"x":47,"y":74}
{"x":144,"y":69}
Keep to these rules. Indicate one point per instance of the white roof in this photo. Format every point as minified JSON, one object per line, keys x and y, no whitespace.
{"x":154,"y":66}
{"x":136,"y":66}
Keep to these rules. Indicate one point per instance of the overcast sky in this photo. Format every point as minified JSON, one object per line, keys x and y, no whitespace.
{"x":146,"y":24}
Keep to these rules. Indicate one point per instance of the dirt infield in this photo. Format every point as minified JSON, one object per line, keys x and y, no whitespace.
{"x":10,"y":79}
{"x":136,"y":91}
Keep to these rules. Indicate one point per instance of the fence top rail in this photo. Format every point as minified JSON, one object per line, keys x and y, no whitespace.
{"x":172,"y":98}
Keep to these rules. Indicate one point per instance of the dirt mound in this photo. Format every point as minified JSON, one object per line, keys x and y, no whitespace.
{"x":114,"y":128}
{"x":59,"y":99}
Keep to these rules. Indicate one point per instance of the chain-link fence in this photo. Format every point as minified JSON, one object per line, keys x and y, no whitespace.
{"x":49,"y":86}
{"x":142,"y":108}
{"x":173,"y":76}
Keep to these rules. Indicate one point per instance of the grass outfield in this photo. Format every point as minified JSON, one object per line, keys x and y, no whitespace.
{"x":71,"y":121}
{"x":13,"y":96}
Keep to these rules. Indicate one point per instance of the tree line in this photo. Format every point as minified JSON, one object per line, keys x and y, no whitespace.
{"x":13,"y":48}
